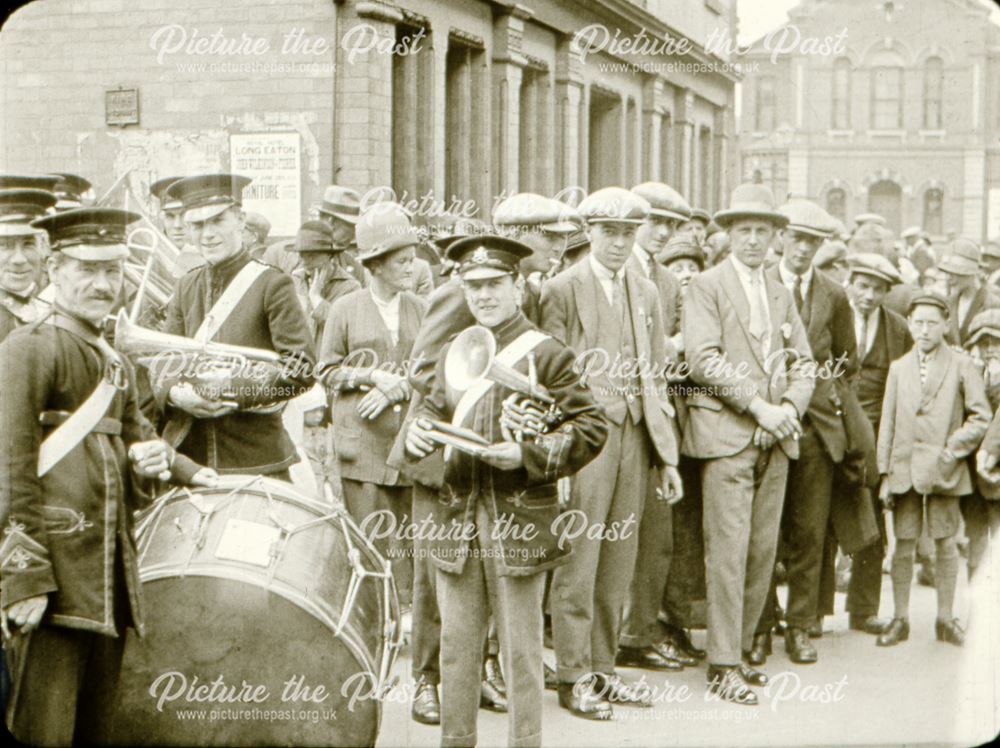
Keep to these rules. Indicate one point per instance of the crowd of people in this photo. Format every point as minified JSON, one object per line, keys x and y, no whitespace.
{"x":684,"y":411}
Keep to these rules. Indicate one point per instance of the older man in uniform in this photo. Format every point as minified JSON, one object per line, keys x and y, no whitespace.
{"x":511,"y":480}
{"x":826,"y":314}
{"x":642,"y":644}
{"x":232,"y":299}
{"x":746,"y":346}
{"x":72,"y":426}
{"x":20,"y":256}
{"x":604,"y":307}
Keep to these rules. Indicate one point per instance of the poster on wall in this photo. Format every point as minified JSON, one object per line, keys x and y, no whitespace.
{"x":274,"y":161}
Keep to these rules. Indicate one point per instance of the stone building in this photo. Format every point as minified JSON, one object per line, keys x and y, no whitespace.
{"x":447,"y":101}
{"x":897,"y":113}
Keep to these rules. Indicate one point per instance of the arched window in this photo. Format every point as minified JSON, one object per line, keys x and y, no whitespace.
{"x":933,"y":209}
{"x":933,"y":93}
{"x":887,"y":98}
{"x":765,"y":114}
{"x":841,"y":94}
{"x":836,"y":203}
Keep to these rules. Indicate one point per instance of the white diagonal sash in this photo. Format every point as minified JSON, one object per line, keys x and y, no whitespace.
{"x":226,"y":303}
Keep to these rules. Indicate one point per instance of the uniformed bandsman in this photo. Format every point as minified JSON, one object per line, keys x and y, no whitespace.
{"x":20,"y":256}
{"x":509,"y":481}
{"x":73,"y":448}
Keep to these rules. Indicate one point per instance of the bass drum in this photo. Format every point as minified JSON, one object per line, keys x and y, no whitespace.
{"x":270,"y":620}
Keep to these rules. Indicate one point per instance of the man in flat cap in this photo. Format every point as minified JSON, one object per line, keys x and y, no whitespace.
{"x":747,"y":349}
{"x":697,"y":224}
{"x":76,"y":460}
{"x":882,"y":337}
{"x":826,"y":313}
{"x":20,"y":256}
{"x":608,"y":311}
{"x":232,"y":299}
{"x":513,"y":479}
{"x":642,"y":642}
{"x":934,"y":415}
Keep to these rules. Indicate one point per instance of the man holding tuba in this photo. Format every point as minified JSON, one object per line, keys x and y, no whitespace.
{"x":233,"y":300}
{"x":502,"y":493}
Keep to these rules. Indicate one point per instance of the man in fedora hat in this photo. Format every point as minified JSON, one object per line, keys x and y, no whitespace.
{"x":603,"y":305}
{"x":232,"y":299}
{"x":20,"y":256}
{"x":882,"y":337}
{"x":78,"y":458}
{"x":823,"y":307}
{"x":642,"y":642}
{"x":968,"y":295}
{"x":481,"y":490}
{"x":748,"y":350}
{"x":340,"y":208}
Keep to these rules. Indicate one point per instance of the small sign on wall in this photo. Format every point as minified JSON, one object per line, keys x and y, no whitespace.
{"x":121,"y":106}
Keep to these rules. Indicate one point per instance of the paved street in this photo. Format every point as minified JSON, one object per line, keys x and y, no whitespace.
{"x":921,"y":692}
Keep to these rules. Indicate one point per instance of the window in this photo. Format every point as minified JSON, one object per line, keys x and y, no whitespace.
{"x":841,"y":94}
{"x":765,"y":104}
{"x":666,"y":144}
{"x":465,"y":137}
{"x":933,"y":93}
{"x":887,"y":98}
{"x":605,"y":129}
{"x":933,"y":205}
{"x":885,"y":197}
{"x":412,"y":117}
{"x":836,"y":203}
{"x":533,"y":154}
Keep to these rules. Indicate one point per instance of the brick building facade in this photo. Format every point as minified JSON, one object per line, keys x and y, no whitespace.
{"x":901,"y":118}
{"x":460,"y":99}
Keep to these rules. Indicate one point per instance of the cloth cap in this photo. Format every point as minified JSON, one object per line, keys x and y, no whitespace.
{"x":207,"y":195}
{"x":682,"y":247}
{"x":984,"y":324}
{"x":863,"y":218}
{"x":962,"y":258}
{"x":613,"y":205}
{"x":89,"y":234}
{"x":751,"y":200}
{"x":313,"y":236}
{"x":700,"y":214}
{"x":875,"y":265}
{"x":530,"y":209}
{"x":805,"y":217}
{"x":664,"y":200}
{"x":928,"y":299}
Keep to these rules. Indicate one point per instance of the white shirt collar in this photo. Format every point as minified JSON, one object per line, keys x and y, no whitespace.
{"x":746,"y":272}
{"x":390,"y":305}
{"x":643,"y":257}
{"x":788,"y":277}
{"x":603,"y":273}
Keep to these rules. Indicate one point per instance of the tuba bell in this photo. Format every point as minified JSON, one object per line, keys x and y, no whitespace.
{"x":472,"y":359}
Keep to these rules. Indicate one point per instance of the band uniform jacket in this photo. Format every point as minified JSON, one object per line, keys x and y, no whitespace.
{"x":919,"y":421}
{"x":570,"y":314}
{"x":730,"y":369}
{"x":16,"y":311}
{"x":526,"y":496}
{"x":269,"y":316}
{"x":61,"y":531}
{"x":356,"y":341}
{"x":829,"y":322}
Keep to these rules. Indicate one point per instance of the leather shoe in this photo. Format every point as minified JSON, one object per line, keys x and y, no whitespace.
{"x":752,"y":676}
{"x":551,"y":681}
{"x":426,"y":708}
{"x":798,"y":646}
{"x":949,"y":631}
{"x":647,"y":658}
{"x":669,"y":651}
{"x":490,"y":697}
{"x":581,"y":701}
{"x":726,"y":682}
{"x":897,"y":631}
{"x":682,"y":641}
{"x":868,"y":624}
{"x":816,"y":630}
{"x":760,"y":650}
{"x":617,"y":691}
{"x":493,"y":674}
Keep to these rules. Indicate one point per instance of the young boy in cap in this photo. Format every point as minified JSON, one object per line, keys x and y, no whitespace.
{"x":509,"y":481}
{"x":934,"y":415}
{"x":74,"y":439}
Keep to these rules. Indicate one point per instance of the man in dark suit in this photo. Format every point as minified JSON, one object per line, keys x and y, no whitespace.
{"x":882,"y":337}
{"x":642,"y":643}
{"x":826,"y":314}
{"x":748,"y":352}
{"x":608,"y":312}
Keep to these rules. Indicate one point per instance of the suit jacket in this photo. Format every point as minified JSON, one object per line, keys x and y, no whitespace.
{"x":920,"y":421}
{"x":986,"y":297}
{"x":570,"y":313}
{"x":829,"y":322}
{"x":355,"y":342}
{"x":669,"y":289}
{"x":727,"y":363}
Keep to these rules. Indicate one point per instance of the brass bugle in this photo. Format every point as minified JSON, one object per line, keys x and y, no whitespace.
{"x":472,"y":358}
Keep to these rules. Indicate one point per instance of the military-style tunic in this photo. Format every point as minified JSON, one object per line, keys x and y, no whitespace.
{"x":269,"y":316}
{"x":61,"y":531}
{"x":528,"y":495}
{"x":16,"y":311}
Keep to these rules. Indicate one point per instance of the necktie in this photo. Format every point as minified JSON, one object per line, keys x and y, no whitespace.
{"x":863,"y":336}
{"x":618,"y":296}
{"x":649,"y":265}
{"x":797,"y":292}
{"x":758,"y":323}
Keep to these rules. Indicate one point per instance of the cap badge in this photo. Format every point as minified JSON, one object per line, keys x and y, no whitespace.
{"x":480,"y":256}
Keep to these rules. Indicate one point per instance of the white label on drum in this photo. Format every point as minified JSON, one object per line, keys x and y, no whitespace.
{"x":248,"y":542}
